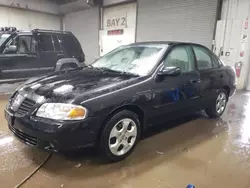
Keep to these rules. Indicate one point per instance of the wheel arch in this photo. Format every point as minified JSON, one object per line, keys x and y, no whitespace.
{"x":130,"y":107}
{"x":66,"y":61}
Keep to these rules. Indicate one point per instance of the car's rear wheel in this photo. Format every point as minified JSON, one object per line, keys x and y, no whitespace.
{"x":218,"y":107}
{"x":120,"y":136}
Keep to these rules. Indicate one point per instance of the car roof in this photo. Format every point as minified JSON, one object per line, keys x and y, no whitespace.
{"x":22,"y":32}
{"x":162,"y":43}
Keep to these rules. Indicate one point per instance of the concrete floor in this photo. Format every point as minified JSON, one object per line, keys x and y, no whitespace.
{"x":205,"y":152}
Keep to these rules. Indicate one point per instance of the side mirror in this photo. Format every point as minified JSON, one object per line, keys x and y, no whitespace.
{"x":10,"y":49}
{"x":170,"y":71}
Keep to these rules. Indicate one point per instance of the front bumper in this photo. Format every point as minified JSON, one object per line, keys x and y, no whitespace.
{"x":54,"y":135}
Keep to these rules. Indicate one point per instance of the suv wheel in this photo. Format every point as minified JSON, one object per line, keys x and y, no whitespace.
{"x":218,"y":106}
{"x":120,"y":136}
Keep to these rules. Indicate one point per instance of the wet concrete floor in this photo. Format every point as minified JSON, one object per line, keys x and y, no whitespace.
{"x":206,"y":152}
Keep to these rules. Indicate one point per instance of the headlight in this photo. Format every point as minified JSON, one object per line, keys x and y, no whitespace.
{"x":61,"y":111}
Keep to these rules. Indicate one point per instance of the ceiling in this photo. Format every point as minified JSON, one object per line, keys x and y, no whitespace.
{"x":68,"y":6}
{"x":61,"y":2}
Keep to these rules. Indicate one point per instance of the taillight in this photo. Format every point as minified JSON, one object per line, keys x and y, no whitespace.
{"x":82,"y":58}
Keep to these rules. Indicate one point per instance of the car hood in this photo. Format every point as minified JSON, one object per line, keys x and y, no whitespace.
{"x":86,"y":82}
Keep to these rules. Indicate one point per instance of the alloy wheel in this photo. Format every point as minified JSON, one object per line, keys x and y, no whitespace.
{"x":122,"y":137}
{"x":221,"y":102}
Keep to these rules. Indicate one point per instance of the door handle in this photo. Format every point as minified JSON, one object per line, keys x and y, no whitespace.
{"x":59,"y":56}
{"x":195,"y":81}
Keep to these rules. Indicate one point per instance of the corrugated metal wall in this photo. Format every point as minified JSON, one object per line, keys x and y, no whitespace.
{"x":85,"y":26}
{"x":177,"y":20}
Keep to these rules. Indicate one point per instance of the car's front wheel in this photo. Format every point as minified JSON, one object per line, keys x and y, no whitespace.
{"x":218,"y":106}
{"x":120,"y":135}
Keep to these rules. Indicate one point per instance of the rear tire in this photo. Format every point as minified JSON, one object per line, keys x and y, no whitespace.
{"x":218,"y":105}
{"x":120,"y":136}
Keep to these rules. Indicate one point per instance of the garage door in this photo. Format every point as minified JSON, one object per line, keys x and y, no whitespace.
{"x":177,"y":20}
{"x":85,"y":26}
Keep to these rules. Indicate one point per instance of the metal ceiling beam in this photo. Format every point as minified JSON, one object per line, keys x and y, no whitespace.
{"x":74,"y":6}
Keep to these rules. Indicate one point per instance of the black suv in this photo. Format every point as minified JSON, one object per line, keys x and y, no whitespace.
{"x":25,"y":54}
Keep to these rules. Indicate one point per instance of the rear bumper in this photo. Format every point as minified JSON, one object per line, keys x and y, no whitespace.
{"x":232,"y":90}
{"x":54,"y":135}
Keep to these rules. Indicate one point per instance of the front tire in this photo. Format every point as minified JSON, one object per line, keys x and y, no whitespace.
{"x":120,"y":136}
{"x":218,"y":106}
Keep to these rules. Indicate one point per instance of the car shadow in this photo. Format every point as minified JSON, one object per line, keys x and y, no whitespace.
{"x":160,"y":144}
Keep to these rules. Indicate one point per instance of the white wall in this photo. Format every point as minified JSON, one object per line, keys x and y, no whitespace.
{"x":85,"y":26}
{"x":235,"y":9}
{"x":233,"y":37}
{"x":73,"y":6}
{"x":27,"y":20}
{"x":44,"y":6}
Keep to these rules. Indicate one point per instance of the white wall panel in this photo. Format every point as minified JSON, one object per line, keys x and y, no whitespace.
{"x":236,"y":18}
{"x":85,"y":26}
{"x":26,"y":20}
{"x":119,"y":17}
{"x":235,"y":9}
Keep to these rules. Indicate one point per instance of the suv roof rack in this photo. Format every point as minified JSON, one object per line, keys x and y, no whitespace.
{"x":48,"y":30}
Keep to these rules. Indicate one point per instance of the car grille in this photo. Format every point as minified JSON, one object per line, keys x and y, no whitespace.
{"x":25,"y":106}
{"x":23,"y":136}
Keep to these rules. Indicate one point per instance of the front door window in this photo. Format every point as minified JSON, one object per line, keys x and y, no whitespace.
{"x":181,"y":57}
{"x":20,"y":45}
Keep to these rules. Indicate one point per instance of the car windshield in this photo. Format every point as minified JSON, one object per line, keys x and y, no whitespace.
{"x":3,"y":37}
{"x":138,"y":60}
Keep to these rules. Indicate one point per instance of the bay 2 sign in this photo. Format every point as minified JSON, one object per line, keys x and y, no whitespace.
{"x":117,"y":22}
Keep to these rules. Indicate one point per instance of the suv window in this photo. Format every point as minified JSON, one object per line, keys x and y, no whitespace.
{"x":57,"y":44}
{"x":23,"y":43}
{"x":70,"y":44}
{"x":3,"y":38}
{"x":203,"y":58}
{"x":45,"y":43}
{"x":181,"y":56}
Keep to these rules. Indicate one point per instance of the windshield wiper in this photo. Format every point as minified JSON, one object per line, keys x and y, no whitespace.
{"x":116,"y":71}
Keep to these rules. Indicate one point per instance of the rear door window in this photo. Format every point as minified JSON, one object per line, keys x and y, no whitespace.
{"x":203,"y":58}
{"x":216,"y":62}
{"x":45,"y":43}
{"x":57,"y":44}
